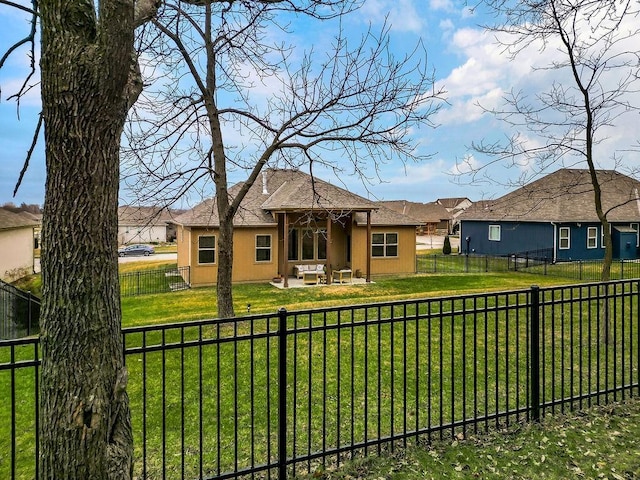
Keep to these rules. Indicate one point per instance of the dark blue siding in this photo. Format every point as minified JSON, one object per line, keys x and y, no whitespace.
{"x":514,"y":237}
{"x":524,"y":237}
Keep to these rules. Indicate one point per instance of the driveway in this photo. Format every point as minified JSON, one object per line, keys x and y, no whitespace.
{"x":150,"y":258}
{"x":428,"y":242}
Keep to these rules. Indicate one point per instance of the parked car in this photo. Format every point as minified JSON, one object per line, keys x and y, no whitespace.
{"x":132,"y":250}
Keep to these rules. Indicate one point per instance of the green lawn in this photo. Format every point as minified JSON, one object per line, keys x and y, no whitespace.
{"x":600,"y":442}
{"x":224,"y":381}
{"x":200,"y":303}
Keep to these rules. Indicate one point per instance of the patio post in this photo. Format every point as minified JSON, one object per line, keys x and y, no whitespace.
{"x":368,"y":246}
{"x":327,"y":265}
{"x":285,"y":248}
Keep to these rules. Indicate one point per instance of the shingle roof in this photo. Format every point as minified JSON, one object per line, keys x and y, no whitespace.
{"x":10,"y":220}
{"x":140,"y":215}
{"x":284,"y":190}
{"x":451,"y":202}
{"x":424,"y":212}
{"x":564,"y":196}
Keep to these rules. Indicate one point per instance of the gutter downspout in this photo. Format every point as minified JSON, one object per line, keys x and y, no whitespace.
{"x":555,"y":240}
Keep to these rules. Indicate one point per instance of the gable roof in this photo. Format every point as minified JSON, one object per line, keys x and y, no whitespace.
{"x":452,"y":203}
{"x":424,"y":212}
{"x":140,"y":215}
{"x":10,"y":220}
{"x":279,"y":190}
{"x":564,"y":196}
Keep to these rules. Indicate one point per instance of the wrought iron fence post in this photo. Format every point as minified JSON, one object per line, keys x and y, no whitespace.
{"x":534,"y":339}
{"x":282,"y":394}
{"x":29,"y":312}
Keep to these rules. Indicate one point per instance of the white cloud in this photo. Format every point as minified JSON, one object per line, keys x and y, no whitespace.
{"x":402,"y":15}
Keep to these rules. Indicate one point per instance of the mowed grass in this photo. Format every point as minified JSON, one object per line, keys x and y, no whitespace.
{"x":220,"y":384}
{"x":599,"y":442}
{"x":201,"y":303}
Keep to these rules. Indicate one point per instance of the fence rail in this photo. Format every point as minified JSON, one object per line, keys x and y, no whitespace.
{"x":582,"y":270}
{"x":19,"y":312}
{"x":145,"y":282}
{"x":300,"y":391}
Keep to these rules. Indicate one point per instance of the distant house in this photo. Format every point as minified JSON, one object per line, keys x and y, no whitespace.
{"x":138,"y":224}
{"x":555,"y":216}
{"x":16,"y":245}
{"x":434,"y":218}
{"x":455,"y":206}
{"x":289,"y":218}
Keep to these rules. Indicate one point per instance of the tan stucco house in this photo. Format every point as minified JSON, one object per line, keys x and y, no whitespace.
{"x":16,"y":245}
{"x":140,"y":224}
{"x":324,"y":224}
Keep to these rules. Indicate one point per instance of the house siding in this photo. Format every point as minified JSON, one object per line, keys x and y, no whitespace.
{"x":245,"y":266}
{"x":520,"y":237}
{"x":404,"y":263}
{"x":515,"y":237}
{"x":142,"y":234}
{"x":16,"y":253}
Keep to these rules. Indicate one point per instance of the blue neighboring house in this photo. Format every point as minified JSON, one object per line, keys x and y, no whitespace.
{"x":555,"y":217}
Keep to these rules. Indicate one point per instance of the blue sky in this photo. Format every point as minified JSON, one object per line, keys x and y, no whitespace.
{"x":468,"y":64}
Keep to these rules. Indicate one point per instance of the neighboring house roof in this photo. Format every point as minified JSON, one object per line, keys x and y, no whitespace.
{"x":279,"y":190}
{"x":453,"y":202}
{"x":424,"y":212}
{"x":564,"y":196}
{"x":140,"y":215}
{"x":10,"y":220}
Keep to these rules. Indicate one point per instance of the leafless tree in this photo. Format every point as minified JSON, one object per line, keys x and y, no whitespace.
{"x":595,"y":65}
{"x":202,"y":114}
{"x":90,"y":77}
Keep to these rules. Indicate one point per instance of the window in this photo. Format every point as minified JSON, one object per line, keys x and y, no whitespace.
{"x":263,"y":248}
{"x":207,"y":249}
{"x":564,"y":242}
{"x":312,"y":247}
{"x":494,"y":233}
{"x":592,"y":237}
{"x":308,"y":249}
{"x":293,"y":245}
{"x":384,"y":245}
{"x":321,"y":245}
{"x":602,"y":242}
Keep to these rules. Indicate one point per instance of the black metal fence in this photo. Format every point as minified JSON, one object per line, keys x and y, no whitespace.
{"x":583,"y":270}
{"x":19,"y":312}
{"x":145,"y":282}
{"x":297,"y":392}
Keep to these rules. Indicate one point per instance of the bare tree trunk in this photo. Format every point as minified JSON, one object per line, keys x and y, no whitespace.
{"x":85,"y":429}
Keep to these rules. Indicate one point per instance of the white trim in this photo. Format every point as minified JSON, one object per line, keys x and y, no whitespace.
{"x":493,"y":227}
{"x":593,"y":237}
{"x":215,"y":248}
{"x":567,"y":238}
{"x":269,"y":248}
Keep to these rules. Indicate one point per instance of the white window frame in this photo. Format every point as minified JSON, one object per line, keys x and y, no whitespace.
{"x":592,"y":237}
{"x":386,"y":245}
{"x":602,"y":244}
{"x":492,"y":230}
{"x":261,"y":248}
{"x":566,"y":238}
{"x":207,"y":249}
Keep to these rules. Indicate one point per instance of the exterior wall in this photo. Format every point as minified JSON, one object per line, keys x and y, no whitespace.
{"x":245,"y":266}
{"x":142,"y":233}
{"x":404,"y":263}
{"x":522,"y":237}
{"x":515,"y":237}
{"x":16,"y":253}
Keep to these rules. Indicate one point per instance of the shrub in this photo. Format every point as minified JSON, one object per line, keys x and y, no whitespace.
{"x":446,"y":248}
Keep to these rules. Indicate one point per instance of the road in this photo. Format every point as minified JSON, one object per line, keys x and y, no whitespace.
{"x":428,"y":242}
{"x":150,"y":258}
